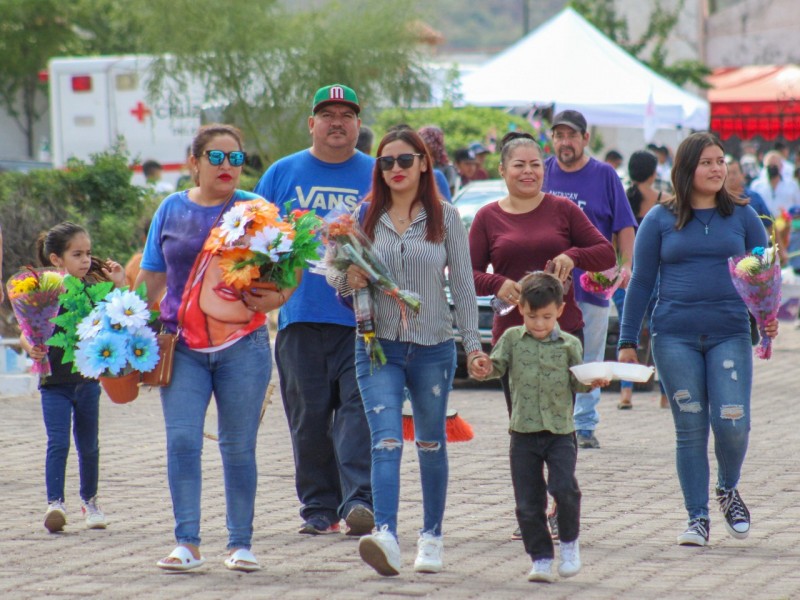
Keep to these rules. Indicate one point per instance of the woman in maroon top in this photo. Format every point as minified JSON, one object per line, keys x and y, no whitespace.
{"x":521,"y":232}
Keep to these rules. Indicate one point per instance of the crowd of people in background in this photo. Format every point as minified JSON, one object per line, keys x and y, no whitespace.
{"x":562,"y":215}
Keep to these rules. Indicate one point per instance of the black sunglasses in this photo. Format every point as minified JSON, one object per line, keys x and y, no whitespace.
{"x":217,"y":157}
{"x":386,"y":163}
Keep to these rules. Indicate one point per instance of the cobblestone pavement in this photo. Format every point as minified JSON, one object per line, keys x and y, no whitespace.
{"x":632,"y":511}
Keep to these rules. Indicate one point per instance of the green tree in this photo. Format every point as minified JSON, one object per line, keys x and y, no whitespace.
{"x":262,"y":63}
{"x":30,"y":33}
{"x":651,"y":46}
{"x":461,"y":126}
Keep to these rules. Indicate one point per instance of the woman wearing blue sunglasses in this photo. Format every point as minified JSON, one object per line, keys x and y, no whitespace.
{"x":223,"y":347}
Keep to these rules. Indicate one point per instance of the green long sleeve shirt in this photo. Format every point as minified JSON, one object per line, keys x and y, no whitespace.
{"x":541,"y":383}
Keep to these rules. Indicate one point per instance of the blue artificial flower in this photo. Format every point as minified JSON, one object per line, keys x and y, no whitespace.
{"x":758,"y":251}
{"x":105,"y":352}
{"x":143,"y":350}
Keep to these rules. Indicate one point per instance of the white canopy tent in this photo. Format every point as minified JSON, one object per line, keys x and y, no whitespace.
{"x":569,"y":63}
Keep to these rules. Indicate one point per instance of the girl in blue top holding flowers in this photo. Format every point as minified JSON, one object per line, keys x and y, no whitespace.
{"x":66,"y":394}
{"x":700,"y":326}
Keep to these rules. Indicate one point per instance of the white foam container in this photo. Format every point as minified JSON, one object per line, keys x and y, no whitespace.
{"x":589,"y":372}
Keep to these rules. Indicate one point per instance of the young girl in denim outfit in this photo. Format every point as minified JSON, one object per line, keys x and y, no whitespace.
{"x":67,"y":395}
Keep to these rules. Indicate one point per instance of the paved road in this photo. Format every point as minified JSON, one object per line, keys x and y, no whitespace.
{"x":632,"y":511}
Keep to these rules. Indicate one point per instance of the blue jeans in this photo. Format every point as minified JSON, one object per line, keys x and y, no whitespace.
{"x":708,"y":381}
{"x":595,"y":330}
{"x":619,"y":302}
{"x":238,"y":378}
{"x":59,"y":404}
{"x":428,"y":372}
{"x":330,"y":435}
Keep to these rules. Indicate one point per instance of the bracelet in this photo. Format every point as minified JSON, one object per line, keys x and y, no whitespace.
{"x":627,"y":345}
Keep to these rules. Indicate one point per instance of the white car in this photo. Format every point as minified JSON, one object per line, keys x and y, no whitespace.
{"x":476,"y":194}
{"x":468,"y":200}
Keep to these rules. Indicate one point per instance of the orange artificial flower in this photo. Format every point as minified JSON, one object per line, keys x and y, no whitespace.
{"x":235,"y":274}
{"x":262,"y":214}
{"x":214,"y":241}
{"x":286,"y":228}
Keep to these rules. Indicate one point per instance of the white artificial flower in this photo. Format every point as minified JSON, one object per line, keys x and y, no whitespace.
{"x":127,"y":309}
{"x":91,"y":324}
{"x":284,"y":246}
{"x":234,"y":223}
{"x":263,"y":239}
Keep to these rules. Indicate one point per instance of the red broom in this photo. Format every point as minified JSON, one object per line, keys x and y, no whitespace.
{"x":456,"y":428}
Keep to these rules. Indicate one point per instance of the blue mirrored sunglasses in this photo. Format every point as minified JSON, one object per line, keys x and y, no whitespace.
{"x":217,"y":157}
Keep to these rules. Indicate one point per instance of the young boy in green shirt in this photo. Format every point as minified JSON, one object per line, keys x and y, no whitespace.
{"x":537,"y":356}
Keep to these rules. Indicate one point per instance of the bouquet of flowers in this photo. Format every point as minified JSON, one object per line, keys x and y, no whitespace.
{"x":757,"y":278}
{"x":33,"y":294}
{"x":347,"y":245}
{"x":605,"y":283}
{"x":256,"y":244}
{"x":105,"y":332}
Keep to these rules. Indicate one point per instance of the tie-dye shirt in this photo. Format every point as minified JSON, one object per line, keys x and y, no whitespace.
{"x":177,"y":233}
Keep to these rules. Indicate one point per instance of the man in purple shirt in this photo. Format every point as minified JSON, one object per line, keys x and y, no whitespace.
{"x":595,"y":187}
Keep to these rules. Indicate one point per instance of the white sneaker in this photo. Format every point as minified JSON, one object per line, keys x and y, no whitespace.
{"x":542,"y":570}
{"x":381,"y":552}
{"x":56,"y":517}
{"x":95,"y":519}
{"x":570,"y":559}
{"x":429,"y":554}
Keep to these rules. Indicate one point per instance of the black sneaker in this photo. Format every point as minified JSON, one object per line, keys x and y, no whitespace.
{"x":696,"y":533}
{"x":517,"y":535}
{"x":587,"y":439}
{"x":737,"y":517}
{"x":319,"y":526}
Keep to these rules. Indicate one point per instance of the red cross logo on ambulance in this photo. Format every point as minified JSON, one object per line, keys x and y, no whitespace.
{"x":141,"y":111}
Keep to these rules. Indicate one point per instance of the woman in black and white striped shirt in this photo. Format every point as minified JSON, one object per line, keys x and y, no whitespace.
{"x":420,"y":238}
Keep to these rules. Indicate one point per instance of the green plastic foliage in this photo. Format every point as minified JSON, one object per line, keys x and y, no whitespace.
{"x":77,"y":302}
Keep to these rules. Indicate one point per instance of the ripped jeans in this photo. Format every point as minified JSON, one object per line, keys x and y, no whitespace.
{"x":708,"y":381}
{"x":427,"y":371}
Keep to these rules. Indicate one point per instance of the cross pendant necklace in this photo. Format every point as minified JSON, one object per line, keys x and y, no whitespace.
{"x":705,"y":224}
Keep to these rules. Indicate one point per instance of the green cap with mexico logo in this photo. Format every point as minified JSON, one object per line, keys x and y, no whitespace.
{"x":335,"y":94}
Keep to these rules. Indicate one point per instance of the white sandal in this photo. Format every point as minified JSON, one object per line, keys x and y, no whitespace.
{"x":242,"y":560}
{"x":183,"y":554}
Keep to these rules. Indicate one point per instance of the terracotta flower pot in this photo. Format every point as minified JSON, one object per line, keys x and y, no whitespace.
{"x":122,"y":389}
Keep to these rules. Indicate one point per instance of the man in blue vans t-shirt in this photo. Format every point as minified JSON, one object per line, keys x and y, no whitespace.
{"x":595,"y":187}
{"x":315,"y":345}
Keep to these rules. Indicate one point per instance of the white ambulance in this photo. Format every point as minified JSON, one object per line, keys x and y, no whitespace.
{"x":96,"y":101}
